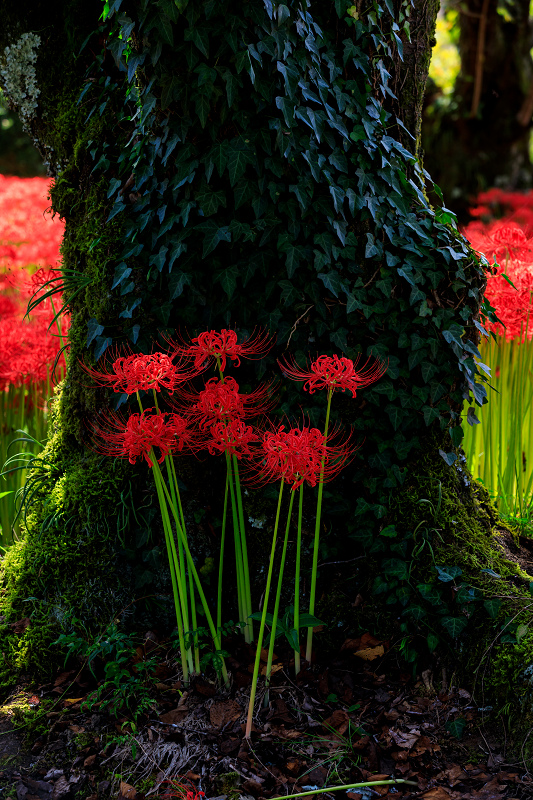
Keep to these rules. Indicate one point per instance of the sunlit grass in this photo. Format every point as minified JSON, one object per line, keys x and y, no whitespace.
{"x":500,"y":449}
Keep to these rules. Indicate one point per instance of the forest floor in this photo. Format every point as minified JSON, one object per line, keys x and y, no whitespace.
{"x":354,"y":721}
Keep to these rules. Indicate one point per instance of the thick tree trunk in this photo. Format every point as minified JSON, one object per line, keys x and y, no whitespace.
{"x":483,"y":140}
{"x":249,"y":253}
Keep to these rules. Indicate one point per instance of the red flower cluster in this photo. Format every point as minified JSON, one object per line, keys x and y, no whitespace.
{"x":298,"y":455}
{"x":215,"y":418}
{"x":211,"y":346}
{"x":28,"y":237}
{"x":334,"y":373}
{"x":136,"y":373}
{"x":136,"y":436}
{"x":508,"y":242}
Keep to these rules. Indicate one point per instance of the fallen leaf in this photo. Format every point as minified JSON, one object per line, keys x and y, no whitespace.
{"x":370,"y":653}
{"x":174,"y":716}
{"x":455,"y":774}
{"x":339,"y":720}
{"x":20,"y":625}
{"x":70,"y":701}
{"x":439,"y":793}
{"x":404,"y":740}
{"x":222,"y":713}
{"x":127,"y":791}
{"x":274,"y":668}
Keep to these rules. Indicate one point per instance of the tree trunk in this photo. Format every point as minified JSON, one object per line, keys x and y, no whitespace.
{"x":240,"y":165}
{"x":483,"y":140}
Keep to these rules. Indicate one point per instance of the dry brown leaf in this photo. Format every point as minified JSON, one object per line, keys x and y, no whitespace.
{"x":222,"y":713}
{"x":455,"y":774}
{"x":70,"y":701}
{"x":274,"y":668}
{"x":174,"y":716}
{"x":127,"y":791}
{"x":339,"y":720}
{"x":370,"y":653}
{"x":439,"y":793}
{"x":404,"y":740}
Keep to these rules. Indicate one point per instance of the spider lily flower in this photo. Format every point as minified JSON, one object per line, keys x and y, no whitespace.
{"x":133,"y":373}
{"x":218,"y":346}
{"x":299,"y":455}
{"x":140,"y":434}
{"x":333,"y":373}
{"x":221,"y":400}
{"x":231,"y":436}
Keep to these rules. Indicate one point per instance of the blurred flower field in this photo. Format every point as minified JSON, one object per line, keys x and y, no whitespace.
{"x":29,"y":345}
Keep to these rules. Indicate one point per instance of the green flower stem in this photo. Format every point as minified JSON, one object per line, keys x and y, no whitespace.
{"x":255,"y":675}
{"x":392,"y":782}
{"x":192,"y":568}
{"x":297,"y":582}
{"x":180,"y":579}
{"x":173,"y":576}
{"x":221,"y":560}
{"x":278,"y":593}
{"x":312,"y":592}
{"x":237,"y":539}
{"x":244,"y":554}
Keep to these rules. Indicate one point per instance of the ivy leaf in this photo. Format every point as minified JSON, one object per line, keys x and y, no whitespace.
{"x":430,"y":593}
{"x":288,"y":292}
{"x":228,"y":280}
{"x":447,"y":574}
{"x":176,"y":284}
{"x":209,"y":201}
{"x":201,"y":104}
{"x":237,"y":158}
{"x":163,"y":25}
{"x":456,"y":727}
{"x":454,"y":625}
{"x":121,"y":272}
{"x":450,"y":458}
{"x":128,"y":312}
{"x":213,"y":235}
{"x":102,"y":343}
{"x":395,"y":567}
{"x":94,"y":329}
{"x":492,"y":607}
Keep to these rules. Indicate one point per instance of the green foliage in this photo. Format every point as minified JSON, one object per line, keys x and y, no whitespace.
{"x":126,"y":680}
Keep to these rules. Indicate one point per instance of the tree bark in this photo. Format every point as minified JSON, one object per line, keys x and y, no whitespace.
{"x":81,"y":558}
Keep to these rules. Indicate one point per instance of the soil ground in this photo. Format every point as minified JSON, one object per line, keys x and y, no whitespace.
{"x":352,"y":721}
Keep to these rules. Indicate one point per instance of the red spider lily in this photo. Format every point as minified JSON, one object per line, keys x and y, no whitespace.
{"x":299,"y":455}
{"x":508,"y":244}
{"x":135,"y":373}
{"x":181,"y":790}
{"x":220,"y":400}
{"x":334,"y":373}
{"x":29,"y":234}
{"x":221,"y":345}
{"x":231,"y":436}
{"x":28,"y":237}
{"x":136,"y":437}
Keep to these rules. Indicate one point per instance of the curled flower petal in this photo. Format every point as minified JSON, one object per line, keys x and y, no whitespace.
{"x":220,"y":400}
{"x":334,"y":373}
{"x":211,"y":346}
{"x":134,"y":373}
{"x":139,"y":434}
{"x":299,"y":455}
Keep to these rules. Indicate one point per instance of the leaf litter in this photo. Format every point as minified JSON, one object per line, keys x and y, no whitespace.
{"x":344,"y":724}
